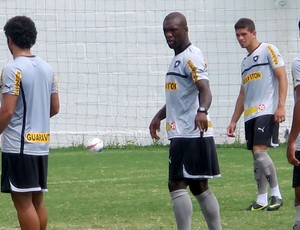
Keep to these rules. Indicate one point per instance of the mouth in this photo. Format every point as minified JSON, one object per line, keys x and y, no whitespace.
{"x":170,"y":42}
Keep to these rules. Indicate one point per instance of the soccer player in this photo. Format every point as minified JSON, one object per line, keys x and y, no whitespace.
{"x":293,"y":146}
{"x":262,"y":100}
{"x":29,"y":98}
{"x":192,"y":155}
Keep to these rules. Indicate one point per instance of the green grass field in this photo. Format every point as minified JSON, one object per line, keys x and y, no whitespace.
{"x":126,"y":188}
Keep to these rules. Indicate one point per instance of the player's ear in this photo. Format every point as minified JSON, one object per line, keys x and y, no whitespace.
{"x":299,"y":27}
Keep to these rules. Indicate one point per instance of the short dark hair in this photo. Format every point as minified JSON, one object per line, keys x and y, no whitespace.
{"x":299,"y":24}
{"x":22,"y":31}
{"x":245,"y":23}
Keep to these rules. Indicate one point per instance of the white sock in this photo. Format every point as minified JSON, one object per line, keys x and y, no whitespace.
{"x":276,"y":192}
{"x":262,"y":199}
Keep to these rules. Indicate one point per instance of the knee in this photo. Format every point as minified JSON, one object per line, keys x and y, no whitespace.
{"x":175,"y":185}
{"x":198,"y":187}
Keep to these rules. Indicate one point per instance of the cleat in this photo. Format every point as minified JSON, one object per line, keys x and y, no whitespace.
{"x":256,"y":207}
{"x":296,"y":227}
{"x":274,"y":203}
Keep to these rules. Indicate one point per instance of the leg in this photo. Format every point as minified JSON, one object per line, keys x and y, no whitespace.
{"x":296,"y":186}
{"x":40,"y":207}
{"x":182,"y":204}
{"x":208,"y":203}
{"x":297,"y":205}
{"x":27,"y":215}
{"x":266,"y":169}
{"x":259,"y":165}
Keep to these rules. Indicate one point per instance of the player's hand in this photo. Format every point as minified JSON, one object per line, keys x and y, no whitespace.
{"x":231,"y":129}
{"x":279,"y":115}
{"x":201,"y":122}
{"x":154,"y":127}
{"x":290,"y":154}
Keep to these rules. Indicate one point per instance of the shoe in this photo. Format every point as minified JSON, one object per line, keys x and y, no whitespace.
{"x":274,"y":203}
{"x":274,"y":145}
{"x":296,"y":227}
{"x":255,"y":207}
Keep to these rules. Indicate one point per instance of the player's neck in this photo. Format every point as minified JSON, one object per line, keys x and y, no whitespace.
{"x":182,"y":48}
{"x":17,"y":52}
{"x":253,"y":46}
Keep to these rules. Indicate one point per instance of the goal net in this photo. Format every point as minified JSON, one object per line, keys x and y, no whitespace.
{"x":111,"y":58}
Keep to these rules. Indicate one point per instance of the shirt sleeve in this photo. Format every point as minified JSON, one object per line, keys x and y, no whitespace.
{"x":197,"y":67}
{"x":274,"y":57}
{"x":11,"y":80}
{"x":54,"y":84}
{"x":296,"y":71}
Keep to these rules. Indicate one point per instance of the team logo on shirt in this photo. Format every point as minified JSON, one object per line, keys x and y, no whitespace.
{"x":273,"y":54}
{"x":38,"y":137}
{"x":255,"y":58}
{"x":176,"y":64}
{"x":171,"y":126}
{"x":261,"y":107}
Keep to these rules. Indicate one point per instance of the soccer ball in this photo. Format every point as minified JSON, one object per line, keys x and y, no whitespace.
{"x":95,"y":145}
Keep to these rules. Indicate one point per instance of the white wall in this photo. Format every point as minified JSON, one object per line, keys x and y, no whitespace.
{"x":111,"y":59}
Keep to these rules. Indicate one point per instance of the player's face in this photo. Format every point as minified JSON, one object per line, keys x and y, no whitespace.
{"x":175,"y":33}
{"x":245,"y":37}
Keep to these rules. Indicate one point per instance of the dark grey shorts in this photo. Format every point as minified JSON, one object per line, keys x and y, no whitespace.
{"x":296,"y":172}
{"x":193,"y":158}
{"x":259,"y":131}
{"x":23,"y":173}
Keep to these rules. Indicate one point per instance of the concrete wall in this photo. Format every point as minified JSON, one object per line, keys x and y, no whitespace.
{"x":111,"y":58}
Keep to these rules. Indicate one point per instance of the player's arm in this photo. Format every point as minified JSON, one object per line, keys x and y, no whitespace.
{"x":154,"y":126}
{"x":205,"y":99}
{"x":238,"y":111}
{"x":295,"y":129}
{"x":7,"y":109}
{"x":54,"y":104}
{"x":280,"y":74}
{"x":54,"y":100}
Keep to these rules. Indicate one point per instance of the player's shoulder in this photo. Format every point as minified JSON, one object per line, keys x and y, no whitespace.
{"x":296,"y":62}
{"x":194,"y":50}
{"x":271,"y":48}
{"x":193,"y":53}
{"x":297,"y":58}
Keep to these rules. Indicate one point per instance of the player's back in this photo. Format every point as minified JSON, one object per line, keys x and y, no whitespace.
{"x":32,"y":81}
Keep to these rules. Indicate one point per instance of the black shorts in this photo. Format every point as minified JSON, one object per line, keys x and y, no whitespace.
{"x":193,"y":158}
{"x":259,"y":131}
{"x":296,"y":172}
{"x":24,"y":173}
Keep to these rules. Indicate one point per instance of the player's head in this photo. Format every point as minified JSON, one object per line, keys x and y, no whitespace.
{"x":245,"y":33}
{"x":176,"y":31}
{"x":299,"y":26}
{"x":245,"y":23}
{"x":22,"y":31}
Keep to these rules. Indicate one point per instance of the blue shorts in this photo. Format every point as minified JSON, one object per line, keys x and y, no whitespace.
{"x":24,"y":173}
{"x":193,"y":158}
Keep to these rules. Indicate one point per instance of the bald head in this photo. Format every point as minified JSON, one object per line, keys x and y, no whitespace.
{"x":177,"y":17}
{"x":176,"y":31}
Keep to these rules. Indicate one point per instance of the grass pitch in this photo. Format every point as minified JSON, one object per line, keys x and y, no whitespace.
{"x":126,"y":189}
